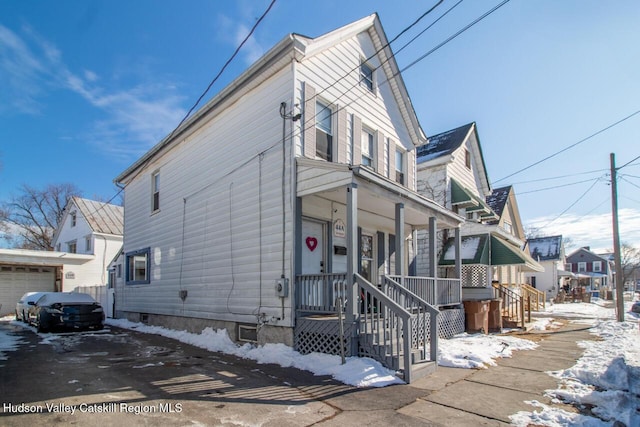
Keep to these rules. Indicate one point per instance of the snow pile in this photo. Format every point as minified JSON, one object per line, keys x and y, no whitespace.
{"x":359,"y":372}
{"x":478,"y":351}
{"x":604,"y":382}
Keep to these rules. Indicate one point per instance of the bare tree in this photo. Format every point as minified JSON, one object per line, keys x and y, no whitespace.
{"x":33,"y":215}
{"x":630,"y":260}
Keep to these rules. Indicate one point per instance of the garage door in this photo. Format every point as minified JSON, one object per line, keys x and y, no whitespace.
{"x":15,"y":281}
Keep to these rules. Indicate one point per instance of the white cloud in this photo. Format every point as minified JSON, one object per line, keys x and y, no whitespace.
{"x":232,"y":33}
{"x":133,"y":119}
{"x":594,"y":230}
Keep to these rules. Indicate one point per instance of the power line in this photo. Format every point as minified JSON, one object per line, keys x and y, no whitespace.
{"x":559,"y":177}
{"x":555,"y":187}
{"x":224,"y":67}
{"x":629,"y":162}
{"x":226,"y":64}
{"x":571,"y":146}
{"x":629,"y":182}
{"x":573,"y":204}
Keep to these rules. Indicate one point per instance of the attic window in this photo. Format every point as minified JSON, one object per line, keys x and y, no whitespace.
{"x":467,"y":159}
{"x":73,"y":219}
{"x":366,"y":75}
{"x":155,"y":200}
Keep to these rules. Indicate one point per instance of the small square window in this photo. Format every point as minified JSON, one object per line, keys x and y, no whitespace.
{"x":366,"y":76}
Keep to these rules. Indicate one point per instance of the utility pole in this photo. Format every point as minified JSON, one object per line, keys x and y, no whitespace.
{"x":616,"y":241}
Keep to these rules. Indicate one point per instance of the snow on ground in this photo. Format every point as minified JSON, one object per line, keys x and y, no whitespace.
{"x":605,"y":380}
{"x":8,"y":342}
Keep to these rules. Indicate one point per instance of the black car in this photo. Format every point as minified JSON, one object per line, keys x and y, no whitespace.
{"x":636,"y":307}
{"x":67,"y":310}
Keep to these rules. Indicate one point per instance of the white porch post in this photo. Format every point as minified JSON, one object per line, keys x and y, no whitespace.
{"x":352,"y":250}
{"x":458,"y":246}
{"x":401,"y":268}
{"x":433,"y":252}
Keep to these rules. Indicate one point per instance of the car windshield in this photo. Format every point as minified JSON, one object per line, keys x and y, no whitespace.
{"x":65,"y":298}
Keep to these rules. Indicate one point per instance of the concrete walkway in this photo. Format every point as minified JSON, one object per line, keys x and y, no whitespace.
{"x":466,"y":397}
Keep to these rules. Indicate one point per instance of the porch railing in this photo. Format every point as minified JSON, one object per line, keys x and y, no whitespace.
{"x":514,"y":304}
{"x":435,"y":291}
{"x":317,"y":293}
{"x":536,"y":296}
{"x":396,"y":326}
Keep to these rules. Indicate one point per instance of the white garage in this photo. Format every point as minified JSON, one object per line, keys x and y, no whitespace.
{"x":23,"y":271}
{"x":16,"y":280}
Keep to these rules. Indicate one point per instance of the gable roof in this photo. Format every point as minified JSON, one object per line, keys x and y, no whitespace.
{"x":581,"y":253}
{"x":443,"y":143}
{"x":294,"y":47}
{"x":545,"y":248}
{"x":497,"y":200}
{"x":441,"y":147}
{"x":102,"y":217}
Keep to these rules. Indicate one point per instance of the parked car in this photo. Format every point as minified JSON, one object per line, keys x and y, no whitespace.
{"x":636,"y":307}
{"x":26,"y":303}
{"x":67,"y":310}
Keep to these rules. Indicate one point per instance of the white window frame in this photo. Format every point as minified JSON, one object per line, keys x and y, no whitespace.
{"x":74,"y":219}
{"x":87,"y":244}
{"x":599,"y":266}
{"x":582,"y":267}
{"x":321,"y":113}
{"x":155,"y":191}
{"x":367,"y":76}
{"x":400,"y":156}
{"x":72,"y":247}
{"x":368,"y":155}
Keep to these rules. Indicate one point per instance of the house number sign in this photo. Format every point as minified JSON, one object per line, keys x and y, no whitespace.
{"x":339,"y":229}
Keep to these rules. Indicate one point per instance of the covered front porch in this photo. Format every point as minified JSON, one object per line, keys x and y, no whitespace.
{"x":355,"y":288}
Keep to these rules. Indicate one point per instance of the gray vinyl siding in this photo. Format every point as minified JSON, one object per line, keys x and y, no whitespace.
{"x":218,"y":233}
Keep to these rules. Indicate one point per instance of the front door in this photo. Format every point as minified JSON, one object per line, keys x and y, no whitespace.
{"x":313,"y":247}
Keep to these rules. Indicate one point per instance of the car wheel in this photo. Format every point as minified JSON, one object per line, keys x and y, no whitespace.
{"x":41,"y":327}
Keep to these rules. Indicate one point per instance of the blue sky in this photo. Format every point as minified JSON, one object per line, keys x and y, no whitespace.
{"x":88,"y":86}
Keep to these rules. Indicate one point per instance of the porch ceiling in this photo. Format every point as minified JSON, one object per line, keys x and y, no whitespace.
{"x":376,"y":193}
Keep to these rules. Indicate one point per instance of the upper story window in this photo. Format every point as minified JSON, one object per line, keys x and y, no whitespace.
{"x":597,"y":266}
{"x":72,"y":247}
{"x":324,"y":136}
{"x":400,"y":166}
{"x":367,"y":148}
{"x":87,"y":243}
{"x":508,"y":227}
{"x":155,"y":184}
{"x":582,"y":267}
{"x":467,"y":159}
{"x":568,"y":267}
{"x":73,"y":219}
{"x":366,"y":75}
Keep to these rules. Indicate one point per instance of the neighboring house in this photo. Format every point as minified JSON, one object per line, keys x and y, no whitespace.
{"x":92,"y":228}
{"x":549,"y":252}
{"x":452,"y":171}
{"x":264,"y":209}
{"x":591,"y":269}
{"x":87,"y":239}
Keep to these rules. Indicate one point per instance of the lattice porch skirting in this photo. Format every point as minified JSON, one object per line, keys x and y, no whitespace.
{"x":450,"y":322}
{"x":322,"y":335}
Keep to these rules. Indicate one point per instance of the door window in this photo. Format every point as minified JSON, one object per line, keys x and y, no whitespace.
{"x":366,"y":257}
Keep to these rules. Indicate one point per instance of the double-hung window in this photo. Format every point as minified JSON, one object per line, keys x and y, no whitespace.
{"x":138,"y":266}
{"x":399,"y":166}
{"x":582,"y":267}
{"x":324,"y":137}
{"x":72,"y":247}
{"x":367,"y":148}
{"x":597,"y":266}
{"x":366,"y":76}
{"x":155,"y":183}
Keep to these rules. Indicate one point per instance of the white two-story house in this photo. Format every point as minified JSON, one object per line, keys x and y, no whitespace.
{"x":288,"y":200}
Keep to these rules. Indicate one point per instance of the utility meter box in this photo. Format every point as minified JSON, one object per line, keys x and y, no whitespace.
{"x":282,"y":287}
